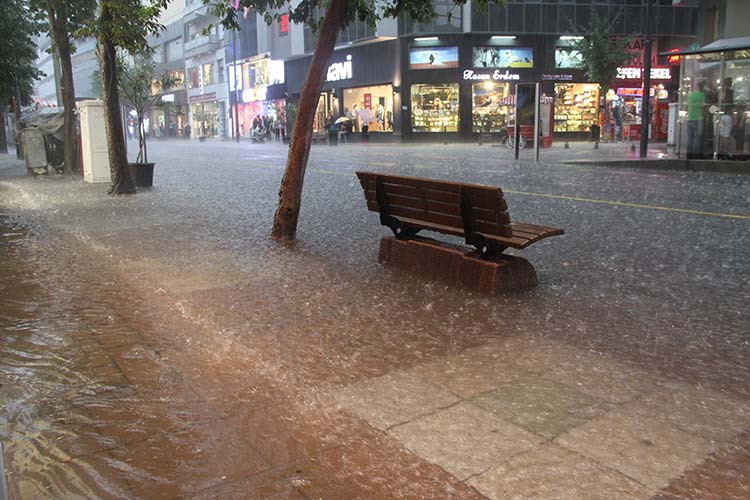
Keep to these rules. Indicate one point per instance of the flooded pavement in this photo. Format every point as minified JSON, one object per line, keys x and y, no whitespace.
{"x":161,"y":346}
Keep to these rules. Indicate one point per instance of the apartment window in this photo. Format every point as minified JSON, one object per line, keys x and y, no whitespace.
{"x":194,"y":77}
{"x":174,"y":50}
{"x":220,"y":70}
{"x":208,"y":74}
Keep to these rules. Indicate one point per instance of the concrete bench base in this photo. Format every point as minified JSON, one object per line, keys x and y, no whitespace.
{"x":458,"y":264}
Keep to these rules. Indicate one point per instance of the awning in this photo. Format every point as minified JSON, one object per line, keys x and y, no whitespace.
{"x":725,"y":45}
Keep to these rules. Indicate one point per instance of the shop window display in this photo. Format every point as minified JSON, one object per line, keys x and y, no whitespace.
{"x":492,"y":106}
{"x":378,"y":100}
{"x":434,"y":107}
{"x":575,"y":106}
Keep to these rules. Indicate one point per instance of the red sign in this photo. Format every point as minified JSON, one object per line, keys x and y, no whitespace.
{"x":675,"y":59}
{"x":284,"y":24}
{"x":661,"y":120}
{"x":368,"y":101}
{"x":634,"y":92}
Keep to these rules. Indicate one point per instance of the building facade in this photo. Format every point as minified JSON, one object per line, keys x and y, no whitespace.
{"x":455,"y":78}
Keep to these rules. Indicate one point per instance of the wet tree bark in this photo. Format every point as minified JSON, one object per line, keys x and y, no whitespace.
{"x":290,"y":193}
{"x":118,"y":155}
{"x":3,"y":138}
{"x":59,"y":28}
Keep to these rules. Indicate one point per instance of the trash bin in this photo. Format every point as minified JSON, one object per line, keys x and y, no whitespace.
{"x":34,"y":151}
{"x":333,"y":135}
{"x":595,"y":130}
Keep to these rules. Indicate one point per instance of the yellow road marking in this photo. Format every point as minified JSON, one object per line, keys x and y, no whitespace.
{"x":592,"y":200}
{"x":632,"y":205}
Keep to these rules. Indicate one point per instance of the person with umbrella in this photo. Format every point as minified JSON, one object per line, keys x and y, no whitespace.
{"x":343,"y":123}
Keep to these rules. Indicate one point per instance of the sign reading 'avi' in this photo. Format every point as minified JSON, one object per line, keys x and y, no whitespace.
{"x":340,"y":70}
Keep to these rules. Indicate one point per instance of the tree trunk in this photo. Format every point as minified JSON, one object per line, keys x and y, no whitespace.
{"x":118,"y":154}
{"x":17,"y":111}
{"x":290,"y":193}
{"x":141,"y":138}
{"x":70,"y":151}
{"x":3,"y":138}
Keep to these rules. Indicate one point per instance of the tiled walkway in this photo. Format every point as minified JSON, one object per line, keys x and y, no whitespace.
{"x":529,"y":419}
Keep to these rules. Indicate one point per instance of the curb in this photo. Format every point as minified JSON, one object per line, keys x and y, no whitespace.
{"x":3,"y":484}
{"x":716,"y":166}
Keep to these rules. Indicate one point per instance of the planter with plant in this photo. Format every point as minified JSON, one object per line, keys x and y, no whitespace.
{"x":139,"y":83}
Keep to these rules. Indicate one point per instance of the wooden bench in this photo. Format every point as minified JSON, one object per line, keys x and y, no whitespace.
{"x":479,"y":214}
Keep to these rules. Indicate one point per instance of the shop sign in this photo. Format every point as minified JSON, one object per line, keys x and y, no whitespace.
{"x":203,"y":97}
{"x":368,"y":101}
{"x":167,"y":98}
{"x":496,"y":75}
{"x":340,"y":70}
{"x":634,"y":92}
{"x":564,"y":77}
{"x":633,"y":73}
{"x":256,"y":94}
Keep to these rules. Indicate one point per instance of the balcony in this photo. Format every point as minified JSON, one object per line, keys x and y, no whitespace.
{"x":202,"y":45}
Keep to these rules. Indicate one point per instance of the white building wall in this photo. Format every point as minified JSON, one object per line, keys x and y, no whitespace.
{"x":45,"y":89}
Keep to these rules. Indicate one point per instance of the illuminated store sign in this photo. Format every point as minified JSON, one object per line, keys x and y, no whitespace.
{"x":632,"y":73}
{"x":496,"y":75}
{"x":340,"y":71}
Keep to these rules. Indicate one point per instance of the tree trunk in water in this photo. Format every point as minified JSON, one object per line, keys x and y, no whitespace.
{"x":3,"y":138}
{"x":290,"y":193}
{"x":118,"y":154}
{"x":69,"y":104}
{"x":141,"y":138}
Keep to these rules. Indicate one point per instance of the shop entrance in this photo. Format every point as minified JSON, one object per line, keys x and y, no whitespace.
{"x":576,"y":107}
{"x":327,"y":110}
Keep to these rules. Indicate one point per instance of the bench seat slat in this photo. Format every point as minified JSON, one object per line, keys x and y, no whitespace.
{"x":436,"y":206}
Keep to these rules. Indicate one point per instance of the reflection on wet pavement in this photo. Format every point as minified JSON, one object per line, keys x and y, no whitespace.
{"x":160,"y":346}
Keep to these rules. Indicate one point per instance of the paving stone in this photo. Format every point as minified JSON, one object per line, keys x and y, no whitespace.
{"x":541,"y":406}
{"x":589,"y":372}
{"x":699,"y":411}
{"x":550,"y":472}
{"x":393,"y":399}
{"x":725,"y":474}
{"x":186,"y":461}
{"x":648,"y":451}
{"x":376,"y":469}
{"x":464,"y":439}
{"x":471,"y":372}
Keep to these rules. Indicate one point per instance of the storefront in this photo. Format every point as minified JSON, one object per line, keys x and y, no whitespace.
{"x":257,"y":85}
{"x":204,"y":116}
{"x":714,"y":101}
{"x":362,"y":84}
{"x":460,"y":87}
{"x":169,"y":117}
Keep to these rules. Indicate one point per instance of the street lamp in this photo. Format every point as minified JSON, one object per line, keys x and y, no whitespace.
{"x":646,"y":99}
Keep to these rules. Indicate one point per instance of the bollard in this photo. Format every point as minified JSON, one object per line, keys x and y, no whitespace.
{"x":567,"y":146}
{"x":596,"y":145}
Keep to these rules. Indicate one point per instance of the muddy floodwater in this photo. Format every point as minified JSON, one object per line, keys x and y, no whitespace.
{"x":161,"y":346}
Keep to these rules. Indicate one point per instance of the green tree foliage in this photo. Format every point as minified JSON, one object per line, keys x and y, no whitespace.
{"x":327,"y":18}
{"x":18,"y":69}
{"x":62,"y":18}
{"x":17,"y":51}
{"x":141,"y":86}
{"x":601,"y":53}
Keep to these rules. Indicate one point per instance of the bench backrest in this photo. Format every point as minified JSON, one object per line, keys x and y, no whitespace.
{"x":440,"y":202}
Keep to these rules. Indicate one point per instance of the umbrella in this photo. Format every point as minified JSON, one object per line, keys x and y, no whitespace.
{"x":342,"y":119}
